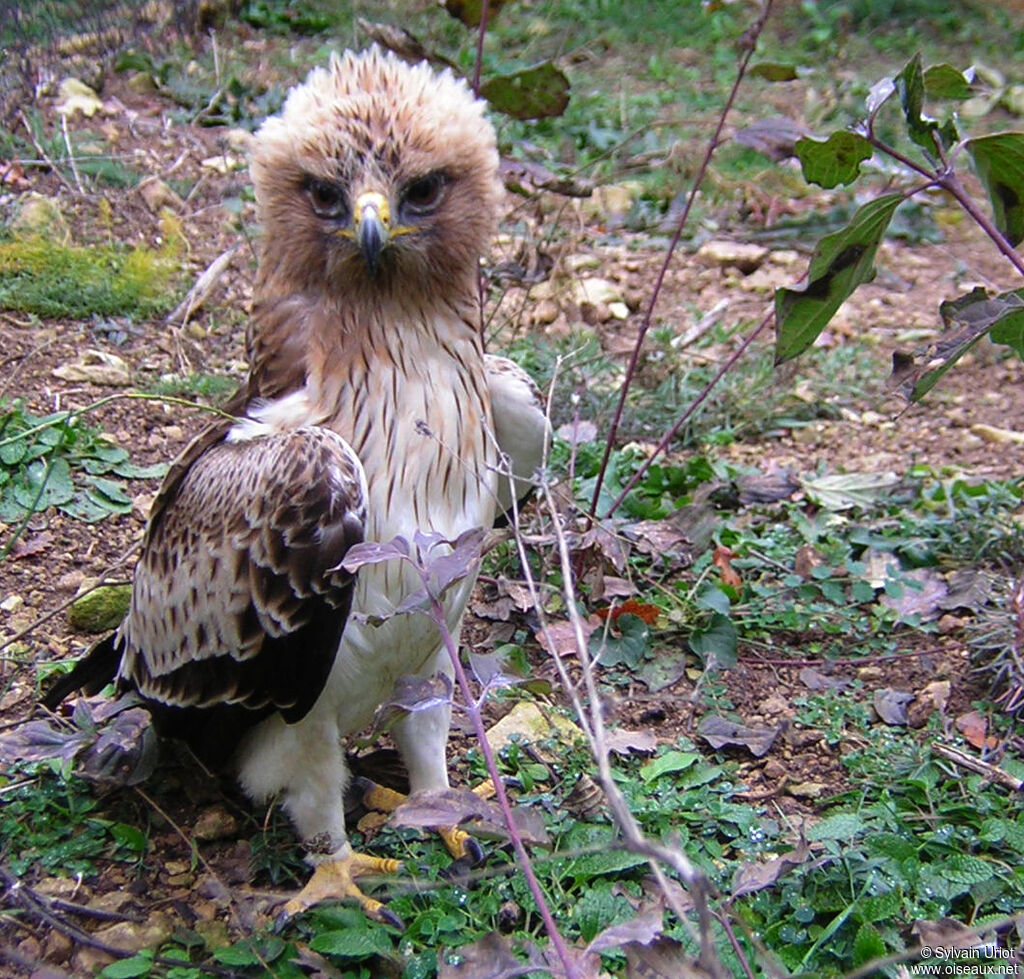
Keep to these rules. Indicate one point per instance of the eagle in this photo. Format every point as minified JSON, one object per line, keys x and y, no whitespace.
{"x":370,"y":411}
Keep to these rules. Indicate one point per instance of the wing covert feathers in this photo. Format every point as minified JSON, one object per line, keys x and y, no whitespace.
{"x":238,"y":598}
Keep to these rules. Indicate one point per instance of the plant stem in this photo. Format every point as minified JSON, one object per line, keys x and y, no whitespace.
{"x":749,"y":42}
{"x":948,"y":180}
{"x":670,"y":435}
{"x":522,"y":857}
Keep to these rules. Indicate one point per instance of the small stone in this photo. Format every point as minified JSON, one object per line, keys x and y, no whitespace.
{"x":595,"y":291}
{"x":12,"y":603}
{"x":58,"y":947}
{"x":75,"y":96}
{"x":158,"y":195}
{"x":101,"y":609}
{"x":96,"y":367}
{"x":70,"y":581}
{"x":949,"y":624}
{"x":732,"y":254}
{"x":544,"y":312}
{"x":807,"y":790}
{"x":224,"y":163}
{"x":577,"y":263}
{"x":135,"y":936}
{"x":997,"y":436}
{"x":40,"y":216}
{"x":141,"y":83}
{"x":619,"y":310}
{"x":215,"y":824}
{"x":175,"y":432}
{"x":869,"y":673}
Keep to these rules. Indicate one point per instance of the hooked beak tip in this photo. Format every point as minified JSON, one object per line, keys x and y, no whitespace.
{"x":372,"y":228}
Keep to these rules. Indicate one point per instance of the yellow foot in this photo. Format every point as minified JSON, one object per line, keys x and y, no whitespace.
{"x":337,"y":880}
{"x":460,"y":844}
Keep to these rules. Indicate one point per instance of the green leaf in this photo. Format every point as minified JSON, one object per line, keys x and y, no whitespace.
{"x":671,"y":761}
{"x":835,"y":161}
{"x":129,"y":836}
{"x":910,"y":86}
{"x":961,"y":868}
{"x":627,"y":649}
{"x":841,"y":826}
{"x":774,"y":71}
{"x":539,"y":92}
{"x":129,"y":470}
{"x":715,"y":644}
{"x":867,"y":945}
{"x":841,"y":262}
{"x":967,"y":319}
{"x":354,"y":943}
{"x":251,"y":951}
{"x":999,"y":163}
{"x":137,"y":965}
{"x":11,"y":453}
{"x":470,"y":12}
{"x":45,"y":484}
{"x":945,"y":82}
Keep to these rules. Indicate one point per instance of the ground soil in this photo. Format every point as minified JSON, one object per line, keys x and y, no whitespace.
{"x":56,"y":554}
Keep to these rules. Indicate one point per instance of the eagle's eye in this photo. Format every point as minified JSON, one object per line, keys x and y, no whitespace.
{"x":422,"y":195}
{"x":327,"y":198}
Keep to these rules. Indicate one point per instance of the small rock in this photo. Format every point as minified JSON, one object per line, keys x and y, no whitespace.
{"x":869,"y":673}
{"x":215,"y":824}
{"x":141,"y":83}
{"x":135,"y":936}
{"x":949,"y":624}
{"x":41,"y":216}
{"x":12,"y":603}
{"x":577,"y":263}
{"x":58,"y":947}
{"x":70,"y":581}
{"x":544,"y":312}
{"x":732,"y":254}
{"x":96,"y":367}
{"x":619,"y":310}
{"x":75,"y":96}
{"x":595,"y":291}
{"x":806,"y":790}
{"x":175,"y":432}
{"x":612,"y":200}
{"x":158,"y":195}
{"x":997,"y":436}
{"x":224,"y":163}
{"x":101,"y":609}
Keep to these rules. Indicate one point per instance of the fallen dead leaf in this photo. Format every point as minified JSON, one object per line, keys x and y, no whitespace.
{"x":719,"y":732}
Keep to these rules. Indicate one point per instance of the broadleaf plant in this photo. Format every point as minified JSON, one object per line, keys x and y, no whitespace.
{"x":844,"y":260}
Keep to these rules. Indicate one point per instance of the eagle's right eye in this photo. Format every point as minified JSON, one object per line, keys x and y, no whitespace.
{"x":327,"y":198}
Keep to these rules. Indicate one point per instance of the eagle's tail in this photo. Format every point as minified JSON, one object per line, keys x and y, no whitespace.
{"x":92,"y":672}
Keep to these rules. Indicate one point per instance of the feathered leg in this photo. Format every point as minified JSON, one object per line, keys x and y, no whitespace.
{"x":307,"y":760}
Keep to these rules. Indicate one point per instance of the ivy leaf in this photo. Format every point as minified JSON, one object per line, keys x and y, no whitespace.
{"x":627,"y":649}
{"x":715,"y":644}
{"x":835,"y":161}
{"x":999,"y":163}
{"x":539,"y":92}
{"x":841,"y":262}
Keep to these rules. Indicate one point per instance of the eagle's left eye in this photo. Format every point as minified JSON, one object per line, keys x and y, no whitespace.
{"x":424,"y":194}
{"x":327,"y":198}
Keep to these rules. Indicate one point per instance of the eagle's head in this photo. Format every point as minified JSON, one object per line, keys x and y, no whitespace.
{"x":375,"y":176}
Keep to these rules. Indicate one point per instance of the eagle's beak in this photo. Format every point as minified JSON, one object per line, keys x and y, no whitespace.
{"x":372,"y":226}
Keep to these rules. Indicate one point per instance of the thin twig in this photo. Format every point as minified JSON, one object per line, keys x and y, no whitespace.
{"x":749,"y":44}
{"x":71,"y":153}
{"x":39,"y":149}
{"x":670,"y":435}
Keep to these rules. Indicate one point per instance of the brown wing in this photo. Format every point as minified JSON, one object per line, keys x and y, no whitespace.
{"x":237,"y":598}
